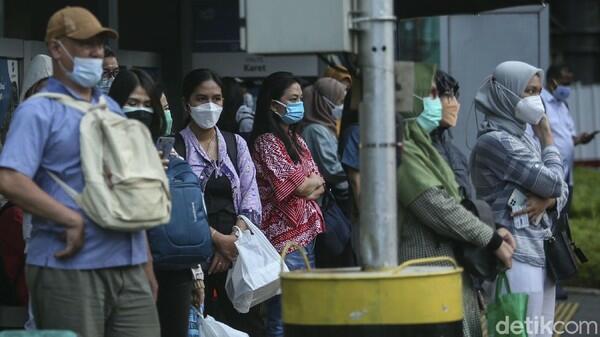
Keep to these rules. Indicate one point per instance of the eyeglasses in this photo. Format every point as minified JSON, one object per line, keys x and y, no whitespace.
{"x":110,"y":73}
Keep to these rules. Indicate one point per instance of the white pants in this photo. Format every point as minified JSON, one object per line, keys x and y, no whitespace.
{"x":541,"y":289}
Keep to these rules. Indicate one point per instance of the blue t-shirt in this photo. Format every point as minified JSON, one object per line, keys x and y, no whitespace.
{"x":44,"y":136}
{"x":350,"y":151}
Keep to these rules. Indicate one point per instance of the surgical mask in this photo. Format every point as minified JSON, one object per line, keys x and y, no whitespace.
{"x":206,"y":115}
{"x":530,"y":110}
{"x":142,"y":114}
{"x":87,"y":72}
{"x":169,"y":120}
{"x":431,"y":116}
{"x":562,"y":92}
{"x":336,"y":110}
{"x":104,"y":85}
{"x":294,"y":112}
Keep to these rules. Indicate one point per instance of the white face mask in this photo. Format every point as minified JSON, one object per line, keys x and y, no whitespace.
{"x":530,"y":110}
{"x":206,"y":115}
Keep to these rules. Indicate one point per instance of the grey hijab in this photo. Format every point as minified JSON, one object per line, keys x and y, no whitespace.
{"x":501,"y":92}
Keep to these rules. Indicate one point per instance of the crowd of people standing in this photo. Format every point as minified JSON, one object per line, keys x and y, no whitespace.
{"x":276,"y":160}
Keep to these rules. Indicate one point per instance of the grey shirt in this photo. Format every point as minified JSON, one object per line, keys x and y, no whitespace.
{"x":323,"y":145}
{"x":502,"y":162}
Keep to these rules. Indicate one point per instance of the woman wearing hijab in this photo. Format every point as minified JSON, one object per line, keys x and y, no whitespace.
{"x":506,"y":159}
{"x":326,"y":102}
{"x":432,"y":221}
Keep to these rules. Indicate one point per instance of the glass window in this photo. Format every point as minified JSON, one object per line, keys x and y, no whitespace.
{"x":419,"y":40}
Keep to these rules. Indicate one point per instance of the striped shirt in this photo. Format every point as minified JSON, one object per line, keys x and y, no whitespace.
{"x":502,"y":162}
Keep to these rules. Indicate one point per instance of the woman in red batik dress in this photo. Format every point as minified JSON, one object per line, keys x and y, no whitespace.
{"x":288,"y":179}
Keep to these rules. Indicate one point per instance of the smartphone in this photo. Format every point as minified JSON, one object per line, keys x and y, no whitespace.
{"x":165,"y":144}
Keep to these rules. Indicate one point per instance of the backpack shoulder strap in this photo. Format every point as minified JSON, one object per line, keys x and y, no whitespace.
{"x":180,"y":146}
{"x":232,"y":151}
{"x":66,"y":100}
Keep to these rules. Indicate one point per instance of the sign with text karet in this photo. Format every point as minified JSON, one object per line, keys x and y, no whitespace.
{"x":248,"y":65}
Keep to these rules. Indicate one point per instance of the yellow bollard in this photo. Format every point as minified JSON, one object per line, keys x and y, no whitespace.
{"x":410,"y":300}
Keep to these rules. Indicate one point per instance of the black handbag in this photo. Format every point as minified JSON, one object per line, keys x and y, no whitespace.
{"x":337,"y":225}
{"x":479,"y":262}
{"x":561,"y":252}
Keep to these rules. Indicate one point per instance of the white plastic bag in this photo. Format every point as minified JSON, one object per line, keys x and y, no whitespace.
{"x":209,"y":327}
{"x":254,"y":277}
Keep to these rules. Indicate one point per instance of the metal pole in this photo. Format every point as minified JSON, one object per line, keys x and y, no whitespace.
{"x":113,"y":22}
{"x":378,"y":233}
{"x":2,"y":19}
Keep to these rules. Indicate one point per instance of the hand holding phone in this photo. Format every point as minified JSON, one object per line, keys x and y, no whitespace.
{"x":165,"y":145}
{"x":586,"y":137}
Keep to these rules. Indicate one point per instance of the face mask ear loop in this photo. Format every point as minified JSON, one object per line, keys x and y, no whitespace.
{"x":472,"y":109}
{"x":418,"y":97}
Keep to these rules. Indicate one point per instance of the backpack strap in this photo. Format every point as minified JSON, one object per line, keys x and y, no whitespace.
{"x":230,"y":143}
{"x":180,"y":146}
{"x":232,"y":151}
{"x":81,"y":106}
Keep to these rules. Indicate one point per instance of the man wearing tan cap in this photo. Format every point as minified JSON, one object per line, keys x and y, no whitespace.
{"x":80,"y":276}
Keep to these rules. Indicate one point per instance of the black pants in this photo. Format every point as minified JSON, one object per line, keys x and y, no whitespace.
{"x":174,"y":300}
{"x":218,"y":305}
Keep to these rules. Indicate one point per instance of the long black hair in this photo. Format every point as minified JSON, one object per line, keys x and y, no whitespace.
{"x":191,"y":81}
{"x":126,"y":82}
{"x":266,"y":121}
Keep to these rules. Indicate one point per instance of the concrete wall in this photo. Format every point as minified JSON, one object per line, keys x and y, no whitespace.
{"x":585,"y":108}
{"x":472,"y":45}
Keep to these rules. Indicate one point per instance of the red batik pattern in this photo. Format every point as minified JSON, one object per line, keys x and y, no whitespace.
{"x":286,"y":217}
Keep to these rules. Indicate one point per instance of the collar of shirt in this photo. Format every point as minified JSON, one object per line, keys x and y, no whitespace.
{"x":221,"y":146}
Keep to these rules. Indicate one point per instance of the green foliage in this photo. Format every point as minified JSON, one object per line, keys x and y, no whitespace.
{"x":585,"y":225}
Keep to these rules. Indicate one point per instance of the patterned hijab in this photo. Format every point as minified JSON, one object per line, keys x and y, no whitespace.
{"x":422,"y":166}
{"x":500,"y":94}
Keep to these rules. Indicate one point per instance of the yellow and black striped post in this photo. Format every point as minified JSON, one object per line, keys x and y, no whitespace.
{"x":410,"y":300}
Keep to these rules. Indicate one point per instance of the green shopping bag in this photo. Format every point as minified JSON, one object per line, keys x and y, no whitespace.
{"x":506,"y":316}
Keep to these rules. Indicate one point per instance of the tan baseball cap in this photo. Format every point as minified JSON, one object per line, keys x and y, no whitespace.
{"x":76,"y":23}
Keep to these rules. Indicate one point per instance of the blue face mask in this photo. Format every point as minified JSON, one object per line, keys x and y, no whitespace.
{"x":87,"y":72}
{"x":431,"y":116}
{"x":294,"y":112}
{"x":336,"y":110}
{"x":562,"y":92}
{"x":104,"y":85}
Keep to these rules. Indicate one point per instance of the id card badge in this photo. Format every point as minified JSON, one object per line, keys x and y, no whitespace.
{"x":518,"y":202}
